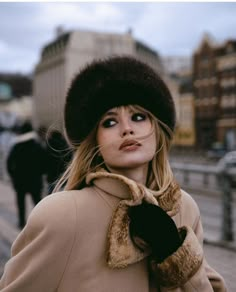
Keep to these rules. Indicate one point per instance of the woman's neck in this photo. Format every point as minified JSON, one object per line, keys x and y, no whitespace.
{"x":137,"y":174}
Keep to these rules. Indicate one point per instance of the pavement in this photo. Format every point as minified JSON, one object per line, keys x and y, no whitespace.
{"x":222,"y":259}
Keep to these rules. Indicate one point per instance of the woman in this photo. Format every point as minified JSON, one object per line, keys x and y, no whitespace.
{"x":122,"y":223}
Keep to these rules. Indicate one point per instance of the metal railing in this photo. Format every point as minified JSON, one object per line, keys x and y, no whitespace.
{"x":223,"y":183}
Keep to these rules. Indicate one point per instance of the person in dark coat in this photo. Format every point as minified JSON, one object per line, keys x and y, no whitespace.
{"x":26,"y":165}
{"x":58,"y":157}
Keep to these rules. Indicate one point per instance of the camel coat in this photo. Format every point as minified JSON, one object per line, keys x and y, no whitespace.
{"x":78,"y":241}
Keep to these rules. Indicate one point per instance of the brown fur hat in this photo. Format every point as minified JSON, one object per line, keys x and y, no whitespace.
{"x":116,"y":81}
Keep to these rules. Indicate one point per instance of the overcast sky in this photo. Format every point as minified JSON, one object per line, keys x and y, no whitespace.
{"x":169,"y":28}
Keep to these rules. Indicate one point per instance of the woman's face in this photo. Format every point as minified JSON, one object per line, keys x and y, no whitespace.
{"x":126,"y":138}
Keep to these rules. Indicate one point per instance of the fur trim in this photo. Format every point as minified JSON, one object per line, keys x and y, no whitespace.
{"x":179,"y":267}
{"x":169,"y":200}
{"x":121,"y":250}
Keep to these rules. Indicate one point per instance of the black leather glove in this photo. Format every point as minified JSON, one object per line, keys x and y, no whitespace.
{"x":152,"y":225}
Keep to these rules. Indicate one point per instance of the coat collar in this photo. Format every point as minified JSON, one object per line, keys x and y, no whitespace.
{"x":121,"y":250}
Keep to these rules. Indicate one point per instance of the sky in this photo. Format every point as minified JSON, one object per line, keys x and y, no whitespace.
{"x":170,"y":28}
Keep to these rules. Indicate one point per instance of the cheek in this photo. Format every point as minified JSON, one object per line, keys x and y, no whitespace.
{"x":104,"y":141}
{"x":152,"y":144}
{"x":101,"y":137}
{"x":144,"y":128}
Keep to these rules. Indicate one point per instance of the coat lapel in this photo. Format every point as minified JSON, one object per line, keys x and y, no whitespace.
{"x":121,"y":250}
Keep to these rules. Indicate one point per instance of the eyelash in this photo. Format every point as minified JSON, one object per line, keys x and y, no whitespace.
{"x":143,"y":117}
{"x":107,"y":123}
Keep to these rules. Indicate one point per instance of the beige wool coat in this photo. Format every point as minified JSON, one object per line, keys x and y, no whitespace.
{"x":78,"y":241}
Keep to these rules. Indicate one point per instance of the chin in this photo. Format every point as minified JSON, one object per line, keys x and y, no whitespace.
{"x":130,"y":161}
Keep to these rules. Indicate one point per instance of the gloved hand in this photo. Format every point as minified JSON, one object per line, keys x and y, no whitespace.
{"x":151,"y":224}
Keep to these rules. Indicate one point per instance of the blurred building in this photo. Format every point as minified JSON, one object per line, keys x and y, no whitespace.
{"x":206,"y":92}
{"x":66,"y":55}
{"x":176,"y":64}
{"x":173,"y":85}
{"x":226,"y":73}
{"x":15,"y":112}
{"x":178,"y":69}
{"x":5,"y":91}
{"x":21,"y":85}
{"x":185,"y":131}
{"x":214,"y":88}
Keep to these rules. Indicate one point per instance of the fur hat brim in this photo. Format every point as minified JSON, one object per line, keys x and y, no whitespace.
{"x":110,"y":83}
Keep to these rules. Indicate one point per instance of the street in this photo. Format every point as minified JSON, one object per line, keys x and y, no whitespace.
{"x":221,"y":259}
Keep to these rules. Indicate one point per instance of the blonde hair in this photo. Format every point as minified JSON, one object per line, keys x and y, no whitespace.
{"x":86,"y":159}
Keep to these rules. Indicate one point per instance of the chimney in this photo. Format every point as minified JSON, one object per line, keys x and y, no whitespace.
{"x":59,"y":31}
{"x":130,"y":31}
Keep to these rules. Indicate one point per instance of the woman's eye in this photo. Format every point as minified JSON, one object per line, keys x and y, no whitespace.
{"x":108,"y":123}
{"x":138,"y":117}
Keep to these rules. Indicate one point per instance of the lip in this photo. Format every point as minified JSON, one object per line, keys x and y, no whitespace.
{"x":129,"y":145}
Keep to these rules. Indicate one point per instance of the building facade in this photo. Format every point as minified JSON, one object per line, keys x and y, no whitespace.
{"x":185,"y":132}
{"x":226,"y":73}
{"x":175,"y":64}
{"x":65,"y":56}
{"x":214,"y":80}
{"x":206,"y":93}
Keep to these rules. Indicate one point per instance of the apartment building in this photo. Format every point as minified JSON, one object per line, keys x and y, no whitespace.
{"x":226,"y":71}
{"x":214,"y":80}
{"x":206,"y":93}
{"x":62,"y":58}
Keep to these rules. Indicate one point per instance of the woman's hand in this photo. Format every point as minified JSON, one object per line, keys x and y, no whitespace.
{"x":151,"y":226}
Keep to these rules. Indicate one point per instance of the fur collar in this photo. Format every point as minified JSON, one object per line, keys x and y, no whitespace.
{"x":121,"y":250}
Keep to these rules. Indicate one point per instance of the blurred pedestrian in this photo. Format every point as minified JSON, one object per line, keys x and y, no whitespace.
{"x":58,"y":156}
{"x":26,"y":165}
{"x":122,"y":222}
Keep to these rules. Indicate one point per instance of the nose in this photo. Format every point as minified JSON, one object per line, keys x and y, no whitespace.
{"x":126,"y":129}
{"x":127,"y":132}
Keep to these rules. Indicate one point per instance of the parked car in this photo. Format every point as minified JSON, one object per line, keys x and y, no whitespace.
{"x":227,"y":164}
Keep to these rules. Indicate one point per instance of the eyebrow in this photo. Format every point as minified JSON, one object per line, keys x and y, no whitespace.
{"x":110,"y":114}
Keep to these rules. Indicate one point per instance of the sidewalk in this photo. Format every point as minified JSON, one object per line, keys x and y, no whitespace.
{"x":223,"y":260}
{"x":8,"y":221}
